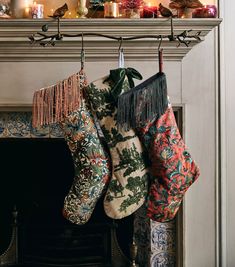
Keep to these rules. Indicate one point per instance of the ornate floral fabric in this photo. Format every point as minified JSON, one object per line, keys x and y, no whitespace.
{"x":172,"y":168}
{"x":91,"y":162}
{"x":128,"y":187}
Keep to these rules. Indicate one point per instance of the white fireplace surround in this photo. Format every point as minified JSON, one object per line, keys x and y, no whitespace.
{"x":192,"y":83}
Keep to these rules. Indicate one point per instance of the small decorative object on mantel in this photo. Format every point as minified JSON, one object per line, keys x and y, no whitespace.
{"x":208,"y":11}
{"x":37,"y":11}
{"x":82,"y":9}
{"x":96,"y":9}
{"x":150,"y":11}
{"x":21,"y":8}
{"x":131,"y":8}
{"x":164,"y":11}
{"x":111,"y":9}
{"x":60,"y":12}
{"x":5,"y":9}
{"x":185,"y":7}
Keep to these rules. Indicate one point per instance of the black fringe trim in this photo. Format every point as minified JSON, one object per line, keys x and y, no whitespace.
{"x":143,"y":103}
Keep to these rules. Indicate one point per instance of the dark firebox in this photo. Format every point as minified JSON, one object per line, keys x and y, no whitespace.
{"x":36,"y":174}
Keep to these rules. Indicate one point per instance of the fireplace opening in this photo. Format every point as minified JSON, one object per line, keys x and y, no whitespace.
{"x":36,"y":175}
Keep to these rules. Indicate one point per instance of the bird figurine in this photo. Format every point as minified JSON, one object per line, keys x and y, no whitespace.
{"x":164,"y":11}
{"x":60,"y":12}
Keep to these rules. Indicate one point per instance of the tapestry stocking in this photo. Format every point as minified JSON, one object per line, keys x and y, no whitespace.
{"x":172,"y":168}
{"x":91,"y":163}
{"x":146,"y":108}
{"x":128,"y":187}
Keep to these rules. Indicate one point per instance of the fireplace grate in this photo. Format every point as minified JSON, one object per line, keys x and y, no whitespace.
{"x":67,"y":245}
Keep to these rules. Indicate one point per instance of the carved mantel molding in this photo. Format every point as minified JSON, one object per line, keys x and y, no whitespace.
{"x":15,"y":46}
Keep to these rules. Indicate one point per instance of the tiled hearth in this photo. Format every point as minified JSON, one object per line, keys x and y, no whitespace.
{"x":156,"y":241}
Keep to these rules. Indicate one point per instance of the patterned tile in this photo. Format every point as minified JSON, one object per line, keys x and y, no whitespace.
{"x":163,"y":259}
{"x":55,"y":131}
{"x":163,"y":236}
{"x":155,"y":241}
{"x":40,"y":132}
{"x":3,"y":126}
{"x":163,"y":240}
{"x":18,"y":124}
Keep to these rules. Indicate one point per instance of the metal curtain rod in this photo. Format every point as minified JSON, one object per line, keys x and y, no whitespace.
{"x":45,"y":39}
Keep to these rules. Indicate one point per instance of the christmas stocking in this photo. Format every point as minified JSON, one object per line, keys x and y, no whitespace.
{"x":146,"y":108}
{"x":172,"y":167}
{"x":129,"y":182}
{"x":91,"y":162}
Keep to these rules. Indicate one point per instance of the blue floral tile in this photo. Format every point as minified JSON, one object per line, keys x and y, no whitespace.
{"x":55,"y":131}
{"x":3,"y":126}
{"x":163,"y":236}
{"x":163,"y":259}
{"x":18,"y":124}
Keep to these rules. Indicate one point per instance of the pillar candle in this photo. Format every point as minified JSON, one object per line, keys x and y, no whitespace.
{"x":111,"y":10}
{"x":37,"y":11}
{"x":150,"y":11}
{"x":20,"y":7}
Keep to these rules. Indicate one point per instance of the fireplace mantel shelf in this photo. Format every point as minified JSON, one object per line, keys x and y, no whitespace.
{"x":15,"y":46}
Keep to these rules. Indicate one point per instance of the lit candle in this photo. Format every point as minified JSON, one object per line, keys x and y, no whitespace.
{"x":83,"y":3}
{"x":37,"y":11}
{"x":150,"y":11}
{"x":21,"y":8}
{"x":27,"y":12}
{"x":208,"y":11}
{"x":111,"y":10}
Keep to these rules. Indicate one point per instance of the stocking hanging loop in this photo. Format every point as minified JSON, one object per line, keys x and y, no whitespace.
{"x":160,"y":56}
{"x":82,"y":54}
{"x":121,"y":61}
{"x":160,"y":44}
{"x":120,"y":43}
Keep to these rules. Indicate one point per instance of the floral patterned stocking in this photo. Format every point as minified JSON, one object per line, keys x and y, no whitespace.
{"x":172,"y":167}
{"x":91,"y":163}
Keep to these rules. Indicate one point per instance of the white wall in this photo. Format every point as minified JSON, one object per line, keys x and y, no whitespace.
{"x":199,"y":95}
{"x":227,"y":131}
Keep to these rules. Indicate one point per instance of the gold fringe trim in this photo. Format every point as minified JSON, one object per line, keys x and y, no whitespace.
{"x":53,"y":103}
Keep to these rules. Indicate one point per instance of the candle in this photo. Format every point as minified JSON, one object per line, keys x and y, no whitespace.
{"x":150,"y":11}
{"x":111,"y":10}
{"x":37,"y":11}
{"x":27,"y":12}
{"x":21,"y":8}
{"x":83,"y":3}
{"x":208,"y":11}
